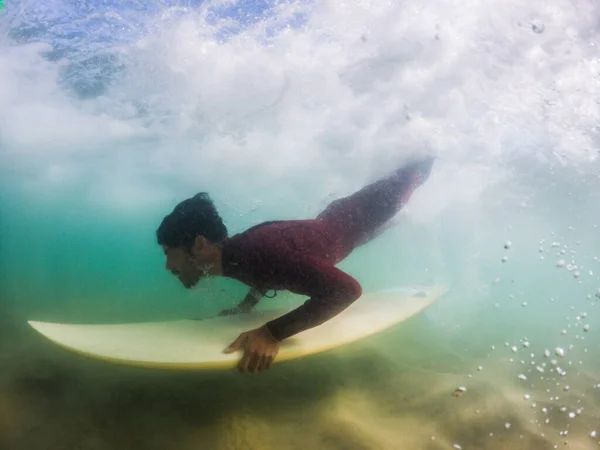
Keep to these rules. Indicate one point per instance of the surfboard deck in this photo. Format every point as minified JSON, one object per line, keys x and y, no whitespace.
{"x":199,"y":344}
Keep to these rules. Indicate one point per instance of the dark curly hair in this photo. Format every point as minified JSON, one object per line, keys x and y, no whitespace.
{"x":191,"y":218}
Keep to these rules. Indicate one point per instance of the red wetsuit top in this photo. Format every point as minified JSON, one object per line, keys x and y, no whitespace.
{"x":300,"y":255}
{"x":297,"y":256}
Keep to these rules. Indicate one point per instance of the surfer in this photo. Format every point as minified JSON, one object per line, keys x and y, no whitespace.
{"x":299,"y":256}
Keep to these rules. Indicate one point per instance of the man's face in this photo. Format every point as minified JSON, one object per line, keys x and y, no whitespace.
{"x":183,"y":265}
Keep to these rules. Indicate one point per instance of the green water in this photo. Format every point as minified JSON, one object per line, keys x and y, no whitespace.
{"x":112,"y":114}
{"x":65,"y":260}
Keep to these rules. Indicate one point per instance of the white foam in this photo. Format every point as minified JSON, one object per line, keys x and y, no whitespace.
{"x":322,"y":108}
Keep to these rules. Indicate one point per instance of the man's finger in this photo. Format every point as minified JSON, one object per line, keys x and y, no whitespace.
{"x":258,"y":363}
{"x":237,"y":344}
{"x":266,"y":363}
{"x":245,"y":361}
{"x":254,"y":362}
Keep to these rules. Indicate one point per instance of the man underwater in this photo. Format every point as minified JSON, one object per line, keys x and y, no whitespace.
{"x":294,"y":255}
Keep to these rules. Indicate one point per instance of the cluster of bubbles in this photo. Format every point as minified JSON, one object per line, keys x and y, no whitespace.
{"x":551,"y":368}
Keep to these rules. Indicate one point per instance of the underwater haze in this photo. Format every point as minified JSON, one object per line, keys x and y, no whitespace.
{"x":114,"y":111}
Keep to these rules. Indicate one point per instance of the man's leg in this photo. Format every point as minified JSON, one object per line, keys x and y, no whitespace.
{"x":356,"y":218}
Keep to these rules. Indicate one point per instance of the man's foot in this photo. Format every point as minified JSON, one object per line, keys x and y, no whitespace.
{"x":414,"y":175}
{"x":418,"y":169}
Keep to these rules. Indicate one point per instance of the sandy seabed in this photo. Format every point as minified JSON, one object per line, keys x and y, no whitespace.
{"x":371,"y":395}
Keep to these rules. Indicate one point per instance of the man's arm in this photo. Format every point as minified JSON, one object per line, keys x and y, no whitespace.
{"x":250,"y":301}
{"x":330,"y":290}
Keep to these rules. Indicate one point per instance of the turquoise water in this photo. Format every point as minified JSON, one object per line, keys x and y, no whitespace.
{"x":113,"y":113}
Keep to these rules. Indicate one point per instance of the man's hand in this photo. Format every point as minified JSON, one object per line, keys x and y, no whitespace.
{"x":249,"y":302}
{"x":260,"y":349}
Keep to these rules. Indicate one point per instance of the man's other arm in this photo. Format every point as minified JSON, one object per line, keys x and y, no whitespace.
{"x":250,"y":301}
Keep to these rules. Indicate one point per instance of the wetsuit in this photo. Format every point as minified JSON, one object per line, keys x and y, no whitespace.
{"x":300,"y":255}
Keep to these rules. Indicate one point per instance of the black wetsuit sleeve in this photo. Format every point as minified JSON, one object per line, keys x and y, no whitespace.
{"x":330,"y":290}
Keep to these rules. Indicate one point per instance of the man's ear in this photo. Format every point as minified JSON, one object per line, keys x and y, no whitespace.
{"x":199,"y":246}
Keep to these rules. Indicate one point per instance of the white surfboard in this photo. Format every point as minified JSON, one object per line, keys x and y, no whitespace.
{"x":199,"y":344}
